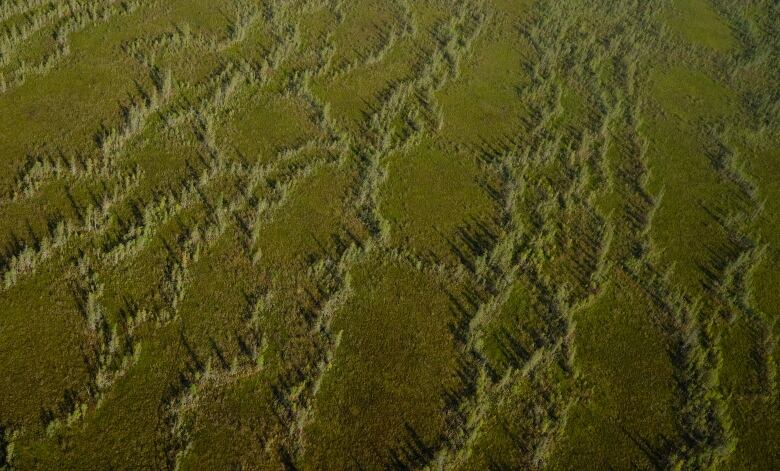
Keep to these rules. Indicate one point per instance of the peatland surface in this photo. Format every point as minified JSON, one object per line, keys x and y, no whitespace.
{"x":407,"y":234}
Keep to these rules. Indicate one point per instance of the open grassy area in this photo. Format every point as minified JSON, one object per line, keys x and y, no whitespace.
{"x":403,"y":234}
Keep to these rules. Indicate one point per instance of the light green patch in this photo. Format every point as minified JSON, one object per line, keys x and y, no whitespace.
{"x":357,"y":94}
{"x":382,"y":400}
{"x":46,"y":348}
{"x":315,"y":220}
{"x":128,"y":423}
{"x":265,"y":125}
{"x":436,"y":204}
{"x":698,"y":22}
{"x":691,"y":96}
{"x":623,"y":359}
{"x":228,"y":419}
{"x":482,"y":108}
{"x":373,"y":22}
{"x":686,"y":227}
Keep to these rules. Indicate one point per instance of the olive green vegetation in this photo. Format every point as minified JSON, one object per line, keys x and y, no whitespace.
{"x":325,"y":234}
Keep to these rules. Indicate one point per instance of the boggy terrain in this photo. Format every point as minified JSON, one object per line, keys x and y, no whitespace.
{"x":364,"y":234}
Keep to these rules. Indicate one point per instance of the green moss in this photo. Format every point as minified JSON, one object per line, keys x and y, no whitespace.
{"x":623,"y":360}
{"x":265,"y":125}
{"x":383,"y":398}
{"x":437,"y":205}
{"x":315,"y":220}
{"x":482,"y":108}
{"x":693,"y":191}
{"x":698,"y":22}
{"x":46,"y":349}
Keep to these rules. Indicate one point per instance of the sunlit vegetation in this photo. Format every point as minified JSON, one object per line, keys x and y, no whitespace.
{"x":401,"y":234}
